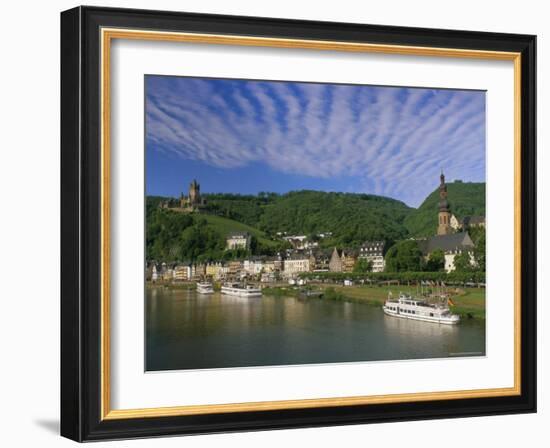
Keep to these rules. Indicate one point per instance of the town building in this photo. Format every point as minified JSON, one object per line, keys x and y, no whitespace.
{"x":348,"y":261}
{"x":320,"y":260}
{"x":297,"y":241}
{"x":278,"y":263}
{"x":234,"y":268}
{"x":269,"y":265}
{"x":167,"y":273}
{"x":182,"y":273}
{"x":253,"y":266}
{"x":467,"y":222}
{"x":342,"y":261}
{"x":295,"y":264}
{"x":451,"y":245}
{"x":456,"y":224}
{"x":238,"y":240}
{"x":301,"y":242}
{"x":472,"y":221}
{"x":223,"y":273}
{"x":216,"y":270}
{"x":373,"y":251}
{"x":198,"y":271}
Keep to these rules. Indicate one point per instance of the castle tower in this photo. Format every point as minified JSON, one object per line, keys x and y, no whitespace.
{"x":444,"y":227}
{"x":194,"y":193}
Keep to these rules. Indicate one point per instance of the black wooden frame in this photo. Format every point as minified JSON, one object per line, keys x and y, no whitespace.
{"x":80,"y":224}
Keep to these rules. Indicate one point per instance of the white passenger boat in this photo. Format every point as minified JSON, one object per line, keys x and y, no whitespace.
{"x":236,"y":289}
{"x":408,"y":307}
{"x":205,"y":288}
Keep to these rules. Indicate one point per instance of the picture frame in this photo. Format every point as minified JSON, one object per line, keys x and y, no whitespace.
{"x":86,"y":37}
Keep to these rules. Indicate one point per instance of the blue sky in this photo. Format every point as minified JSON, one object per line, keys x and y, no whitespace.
{"x":243,"y":136}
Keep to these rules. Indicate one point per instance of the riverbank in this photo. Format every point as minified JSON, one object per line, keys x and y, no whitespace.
{"x":172,"y":285}
{"x":468,"y":302}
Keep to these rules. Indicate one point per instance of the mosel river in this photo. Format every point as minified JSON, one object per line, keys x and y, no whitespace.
{"x":186,"y":330}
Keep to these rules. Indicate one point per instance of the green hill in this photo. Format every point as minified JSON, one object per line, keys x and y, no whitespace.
{"x":176,"y":236}
{"x":225,"y":226}
{"x":246,"y":209}
{"x":465,"y":199}
{"x":352,"y":218}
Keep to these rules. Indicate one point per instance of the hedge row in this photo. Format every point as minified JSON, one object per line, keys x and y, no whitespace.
{"x":403,"y":277}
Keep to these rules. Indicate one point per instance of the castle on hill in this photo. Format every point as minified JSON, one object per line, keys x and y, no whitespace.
{"x":189,"y":203}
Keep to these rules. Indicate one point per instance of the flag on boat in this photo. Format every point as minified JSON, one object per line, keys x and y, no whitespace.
{"x":450,"y":302}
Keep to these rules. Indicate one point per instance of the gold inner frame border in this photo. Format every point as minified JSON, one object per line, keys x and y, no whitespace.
{"x":107,"y":35}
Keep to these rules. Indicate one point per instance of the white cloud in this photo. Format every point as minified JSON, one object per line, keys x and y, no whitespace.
{"x":394,"y":139}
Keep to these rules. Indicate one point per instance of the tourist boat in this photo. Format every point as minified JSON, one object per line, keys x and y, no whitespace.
{"x":236,"y":289}
{"x":408,"y":307}
{"x":205,"y":288}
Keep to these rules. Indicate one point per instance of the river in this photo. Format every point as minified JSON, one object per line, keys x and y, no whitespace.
{"x":185,"y":330}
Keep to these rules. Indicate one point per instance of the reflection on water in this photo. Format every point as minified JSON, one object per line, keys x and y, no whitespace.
{"x":186,"y":330}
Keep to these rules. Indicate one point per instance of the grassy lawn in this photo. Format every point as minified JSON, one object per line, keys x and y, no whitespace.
{"x":468,"y":302}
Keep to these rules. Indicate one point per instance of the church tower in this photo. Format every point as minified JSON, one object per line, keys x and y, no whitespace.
{"x":444,"y":227}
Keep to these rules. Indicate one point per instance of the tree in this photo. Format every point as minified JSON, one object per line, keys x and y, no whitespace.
{"x":462,"y":262}
{"x":362,"y":266}
{"x":404,"y":256}
{"x":253,"y":244}
{"x":436,"y":261}
{"x":479,"y":250}
{"x":313,"y":237}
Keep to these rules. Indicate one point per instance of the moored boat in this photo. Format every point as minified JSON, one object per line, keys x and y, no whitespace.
{"x":236,"y":289}
{"x":310,"y":293}
{"x":408,"y":307}
{"x":205,"y":288}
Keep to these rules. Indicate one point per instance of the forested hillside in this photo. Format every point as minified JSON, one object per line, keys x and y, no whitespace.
{"x":350,"y":218}
{"x":465,"y":199}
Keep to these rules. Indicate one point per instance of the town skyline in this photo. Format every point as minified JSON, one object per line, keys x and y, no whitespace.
{"x":246,"y":137}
